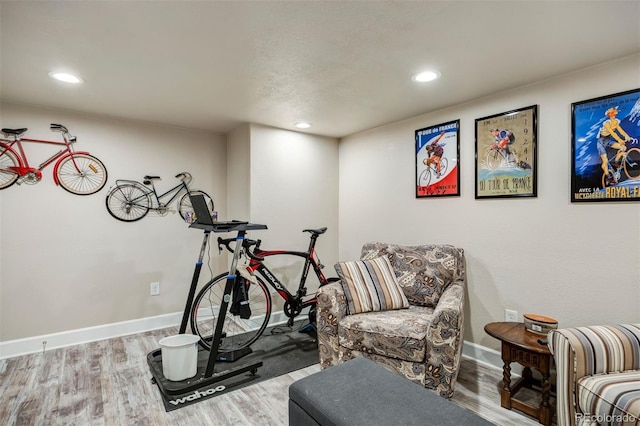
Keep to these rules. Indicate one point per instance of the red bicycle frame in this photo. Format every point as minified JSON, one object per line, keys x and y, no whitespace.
{"x":256,"y":257}
{"x":24,"y":167}
{"x":310,"y":261}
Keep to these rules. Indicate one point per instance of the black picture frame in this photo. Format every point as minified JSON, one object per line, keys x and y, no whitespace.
{"x":506,"y":160}
{"x":437,"y":160}
{"x":595,"y":130}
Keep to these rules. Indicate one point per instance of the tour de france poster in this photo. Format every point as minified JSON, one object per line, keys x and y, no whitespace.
{"x":506,"y":154}
{"x":437,"y":160}
{"x":605,"y":152}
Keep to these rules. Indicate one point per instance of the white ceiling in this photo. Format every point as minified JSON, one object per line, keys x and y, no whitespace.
{"x":344,"y":66}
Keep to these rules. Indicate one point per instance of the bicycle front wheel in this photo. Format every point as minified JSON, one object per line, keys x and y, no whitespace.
{"x":425,"y":177}
{"x":240,"y":329}
{"x":81,"y":174}
{"x":128,"y":202}
{"x":7,"y":176}
{"x":632,"y":163}
{"x":494,"y":159}
{"x":186,"y":209}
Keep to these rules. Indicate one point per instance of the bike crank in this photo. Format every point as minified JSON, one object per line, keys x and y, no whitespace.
{"x":291,"y":312}
{"x":162,"y":210}
{"x":31,"y":178}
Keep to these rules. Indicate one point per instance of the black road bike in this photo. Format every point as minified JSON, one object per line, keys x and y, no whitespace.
{"x":250,"y":309}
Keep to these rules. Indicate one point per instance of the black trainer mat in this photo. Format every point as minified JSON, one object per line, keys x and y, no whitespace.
{"x":280,"y":349}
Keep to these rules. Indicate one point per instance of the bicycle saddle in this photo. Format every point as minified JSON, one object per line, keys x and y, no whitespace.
{"x":16,"y":132}
{"x":316,"y":231}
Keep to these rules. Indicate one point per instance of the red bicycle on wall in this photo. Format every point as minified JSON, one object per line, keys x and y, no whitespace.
{"x":75,"y":171}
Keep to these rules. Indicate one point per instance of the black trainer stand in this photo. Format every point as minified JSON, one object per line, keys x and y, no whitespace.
{"x":206,"y":377}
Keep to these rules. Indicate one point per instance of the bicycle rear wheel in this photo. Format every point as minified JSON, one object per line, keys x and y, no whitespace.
{"x":81,"y":174}
{"x":632,"y":163}
{"x":7,"y":176}
{"x":186,"y":209}
{"x":444,"y":164}
{"x":128,"y":202}
{"x":237,"y":332}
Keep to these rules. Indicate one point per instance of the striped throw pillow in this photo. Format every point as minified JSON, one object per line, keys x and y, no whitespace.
{"x":370,"y":285}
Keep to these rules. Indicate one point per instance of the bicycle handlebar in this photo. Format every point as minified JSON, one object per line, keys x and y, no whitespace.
{"x":246,"y":244}
{"x":184,"y":176}
{"x":58,"y":128}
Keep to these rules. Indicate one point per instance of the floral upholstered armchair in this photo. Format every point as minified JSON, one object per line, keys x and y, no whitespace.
{"x":417,"y":334}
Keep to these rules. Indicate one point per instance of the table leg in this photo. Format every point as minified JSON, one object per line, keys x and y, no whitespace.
{"x":545,"y":406}
{"x":505,"y":393}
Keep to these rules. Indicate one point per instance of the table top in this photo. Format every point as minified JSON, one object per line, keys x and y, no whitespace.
{"x":515,"y":334}
{"x":230,"y":226}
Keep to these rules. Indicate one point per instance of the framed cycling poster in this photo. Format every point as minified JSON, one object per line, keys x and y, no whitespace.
{"x":605,"y":154}
{"x":506,"y":154}
{"x":437,"y":160}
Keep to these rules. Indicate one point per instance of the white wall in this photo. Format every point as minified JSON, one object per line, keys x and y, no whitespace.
{"x":238,"y":173}
{"x":294,"y":186}
{"x":65,"y":263}
{"x":574,"y":262}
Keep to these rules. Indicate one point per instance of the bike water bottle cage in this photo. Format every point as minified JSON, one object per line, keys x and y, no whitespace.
{"x":148,"y":180}
{"x":14,"y":132}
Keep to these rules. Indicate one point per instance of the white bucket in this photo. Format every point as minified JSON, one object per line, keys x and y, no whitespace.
{"x":179,"y":356}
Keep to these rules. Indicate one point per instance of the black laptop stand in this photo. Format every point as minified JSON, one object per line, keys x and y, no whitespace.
{"x":206,"y":376}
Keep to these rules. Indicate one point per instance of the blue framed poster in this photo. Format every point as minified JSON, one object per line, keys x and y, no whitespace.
{"x":605,"y":152}
{"x":437,"y":160}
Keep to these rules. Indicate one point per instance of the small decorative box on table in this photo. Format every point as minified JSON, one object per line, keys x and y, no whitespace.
{"x":539,"y":324}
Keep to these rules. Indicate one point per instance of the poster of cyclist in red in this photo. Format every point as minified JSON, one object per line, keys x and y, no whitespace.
{"x":437,"y":158}
{"x":605,"y":151}
{"x":506,"y":154}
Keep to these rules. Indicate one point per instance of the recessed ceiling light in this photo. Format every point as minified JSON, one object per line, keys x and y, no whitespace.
{"x":303,"y":125}
{"x":65,"y":77}
{"x":425,"y":76}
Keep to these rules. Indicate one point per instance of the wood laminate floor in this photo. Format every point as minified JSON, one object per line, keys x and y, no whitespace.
{"x":108,"y":383}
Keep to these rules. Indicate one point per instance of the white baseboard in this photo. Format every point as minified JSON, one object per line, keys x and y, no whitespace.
{"x":488,"y":357}
{"x":29,"y":345}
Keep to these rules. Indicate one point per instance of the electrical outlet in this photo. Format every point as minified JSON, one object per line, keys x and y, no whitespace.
{"x":155,"y":289}
{"x":510,"y":315}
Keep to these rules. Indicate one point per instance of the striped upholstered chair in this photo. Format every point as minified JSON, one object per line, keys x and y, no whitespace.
{"x":598,"y":374}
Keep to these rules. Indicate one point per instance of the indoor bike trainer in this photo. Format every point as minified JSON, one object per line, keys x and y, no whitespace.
{"x":207,"y":380}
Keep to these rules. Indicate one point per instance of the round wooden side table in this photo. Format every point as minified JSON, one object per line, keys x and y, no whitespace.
{"x":522,"y":346}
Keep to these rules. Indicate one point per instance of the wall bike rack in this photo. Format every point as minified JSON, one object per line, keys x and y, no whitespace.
{"x":206,"y":379}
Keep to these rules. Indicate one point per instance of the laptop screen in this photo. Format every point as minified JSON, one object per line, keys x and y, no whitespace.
{"x":200,"y":208}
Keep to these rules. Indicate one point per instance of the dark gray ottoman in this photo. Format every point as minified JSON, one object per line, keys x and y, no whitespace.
{"x":360,"y":392}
